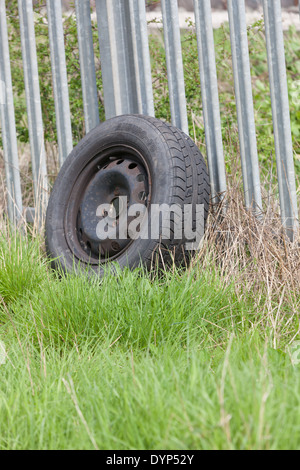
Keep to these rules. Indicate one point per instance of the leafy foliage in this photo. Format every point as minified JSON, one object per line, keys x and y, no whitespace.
{"x":45,"y":74}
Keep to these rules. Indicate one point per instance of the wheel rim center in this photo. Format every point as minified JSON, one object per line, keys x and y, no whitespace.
{"x":118,"y":185}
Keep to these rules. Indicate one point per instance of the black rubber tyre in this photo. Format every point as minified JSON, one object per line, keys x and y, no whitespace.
{"x":140,"y":157}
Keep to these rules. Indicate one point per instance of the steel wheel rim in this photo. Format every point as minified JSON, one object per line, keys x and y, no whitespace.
{"x":116,"y":172}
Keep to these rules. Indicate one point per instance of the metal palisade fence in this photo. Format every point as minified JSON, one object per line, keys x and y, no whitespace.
{"x":127,"y":85}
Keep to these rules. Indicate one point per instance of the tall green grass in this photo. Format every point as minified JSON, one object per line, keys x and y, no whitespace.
{"x":137,"y":361}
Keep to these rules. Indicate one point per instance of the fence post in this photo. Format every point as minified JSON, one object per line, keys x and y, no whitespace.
{"x":174,"y":64}
{"x":117,"y":57}
{"x":210,"y":99}
{"x":142,"y":57}
{"x":244,"y":104}
{"x":9,"y":136}
{"x":281,"y":115}
{"x":60,"y":80}
{"x":87,"y":64}
{"x":34,"y":110}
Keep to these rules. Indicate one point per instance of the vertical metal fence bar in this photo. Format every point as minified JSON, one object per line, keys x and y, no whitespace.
{"x":124,"y":45}
{"x":281,"y":115}
{"x":34,"y":109}
{"x":107,"y":64}
{"x":9,"y":137}
{"x":174,"y":64}
{"x":87,"y":64}
{"x":244,"y":103}
{"x":210,"y":98}
{"x":60,"y":80}
{"x":142,"y":56}
{"x":117,"y":57}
